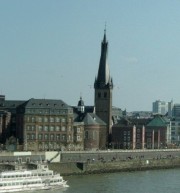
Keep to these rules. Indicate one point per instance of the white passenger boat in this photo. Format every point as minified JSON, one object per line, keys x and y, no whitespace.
{"x":17,"y":185}
{"x":37,"y":179}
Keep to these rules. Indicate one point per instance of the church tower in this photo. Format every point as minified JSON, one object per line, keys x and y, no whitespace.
{"x":103,"y":86}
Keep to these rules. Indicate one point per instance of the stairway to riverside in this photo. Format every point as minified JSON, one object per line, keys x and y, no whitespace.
{"x":66,"y":168}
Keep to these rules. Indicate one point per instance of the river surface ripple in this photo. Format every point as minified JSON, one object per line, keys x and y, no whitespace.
{"x":152,"y":181}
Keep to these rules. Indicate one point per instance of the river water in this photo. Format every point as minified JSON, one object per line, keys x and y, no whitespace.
{"x":152,"y":181}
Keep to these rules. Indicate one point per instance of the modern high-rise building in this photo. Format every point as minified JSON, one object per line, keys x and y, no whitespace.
{"x":162,"y":107}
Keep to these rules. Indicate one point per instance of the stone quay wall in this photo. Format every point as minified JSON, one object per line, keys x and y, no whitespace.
{"x":88,"y":162}
{"x":74,"y":163}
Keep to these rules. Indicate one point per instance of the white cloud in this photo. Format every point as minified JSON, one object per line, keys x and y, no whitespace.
{"x":130,"y":60}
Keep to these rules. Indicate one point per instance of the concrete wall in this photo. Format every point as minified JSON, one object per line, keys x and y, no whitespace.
{"x":85,"y":162}
{"x":116,"y":166}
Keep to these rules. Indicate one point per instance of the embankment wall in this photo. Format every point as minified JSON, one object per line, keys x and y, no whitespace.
{"x":87,"y":162}
{"x":76,"y":168}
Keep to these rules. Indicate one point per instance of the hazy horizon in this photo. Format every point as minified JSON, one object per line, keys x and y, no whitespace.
{"x":51,"y":49}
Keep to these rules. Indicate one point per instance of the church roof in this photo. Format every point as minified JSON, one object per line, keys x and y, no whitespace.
{"x":103,"y":79}
{"x":92,"y":119}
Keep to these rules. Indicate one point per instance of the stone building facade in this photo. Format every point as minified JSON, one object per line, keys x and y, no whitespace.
{"x":45,"y":125}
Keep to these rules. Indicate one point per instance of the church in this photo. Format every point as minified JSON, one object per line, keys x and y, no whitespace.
{"x":47,"y":124}
{"x":53,"y":125}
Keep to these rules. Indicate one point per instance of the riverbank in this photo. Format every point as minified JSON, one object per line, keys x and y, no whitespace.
{"x":84,"y":168}
{"x":88,"y":162}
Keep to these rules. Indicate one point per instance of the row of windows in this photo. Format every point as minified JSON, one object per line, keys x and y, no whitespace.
{"x":46,"y":146}
{"x":127,"y":138}
{"x":177,"y":124}
{"x":127,"y":132}
{"x":48,"y":119}
{"x":126,"y":144}
{"x":47,"y":111}
{"x":48,"y":128}
{"x":51,"y":137}
{"x":104,"y":95}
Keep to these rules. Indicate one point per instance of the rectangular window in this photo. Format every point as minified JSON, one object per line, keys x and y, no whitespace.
{"x":40,"y":128}
{"x":33,"y":127}
{"x":63,"y":128}
{"x":52,"y":137}
{"x":57,"y":128}
{"x":46,"y":137}
{"x":51,"y":128}
{"x":45,"y":119}
{"x":32,"y":136}
{"x":63,"y":120}
{"x":58,"y":119}
{"x":78,"y":138}
{"x":40,"y":119}
{"x":40,"y":136}
{"x":45,"y":128}
{"x":58,"y":137}
{"x":52,"y":119}
{"x":63,"y":137}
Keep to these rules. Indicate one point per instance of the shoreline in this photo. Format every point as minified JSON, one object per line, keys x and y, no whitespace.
{"x":85,"y":168}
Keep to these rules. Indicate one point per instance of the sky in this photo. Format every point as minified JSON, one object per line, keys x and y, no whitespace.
{"x":51,"y":49}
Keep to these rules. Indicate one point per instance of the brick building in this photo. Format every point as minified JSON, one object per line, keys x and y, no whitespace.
{"x":158,"y":132}
{"x":152,"y":133}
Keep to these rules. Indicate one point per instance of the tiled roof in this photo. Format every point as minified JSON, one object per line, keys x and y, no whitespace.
{"x":158,"y":121}
{"x":46,"y":103}
{"x":10,"y":103}
{"x":92,"y":119}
